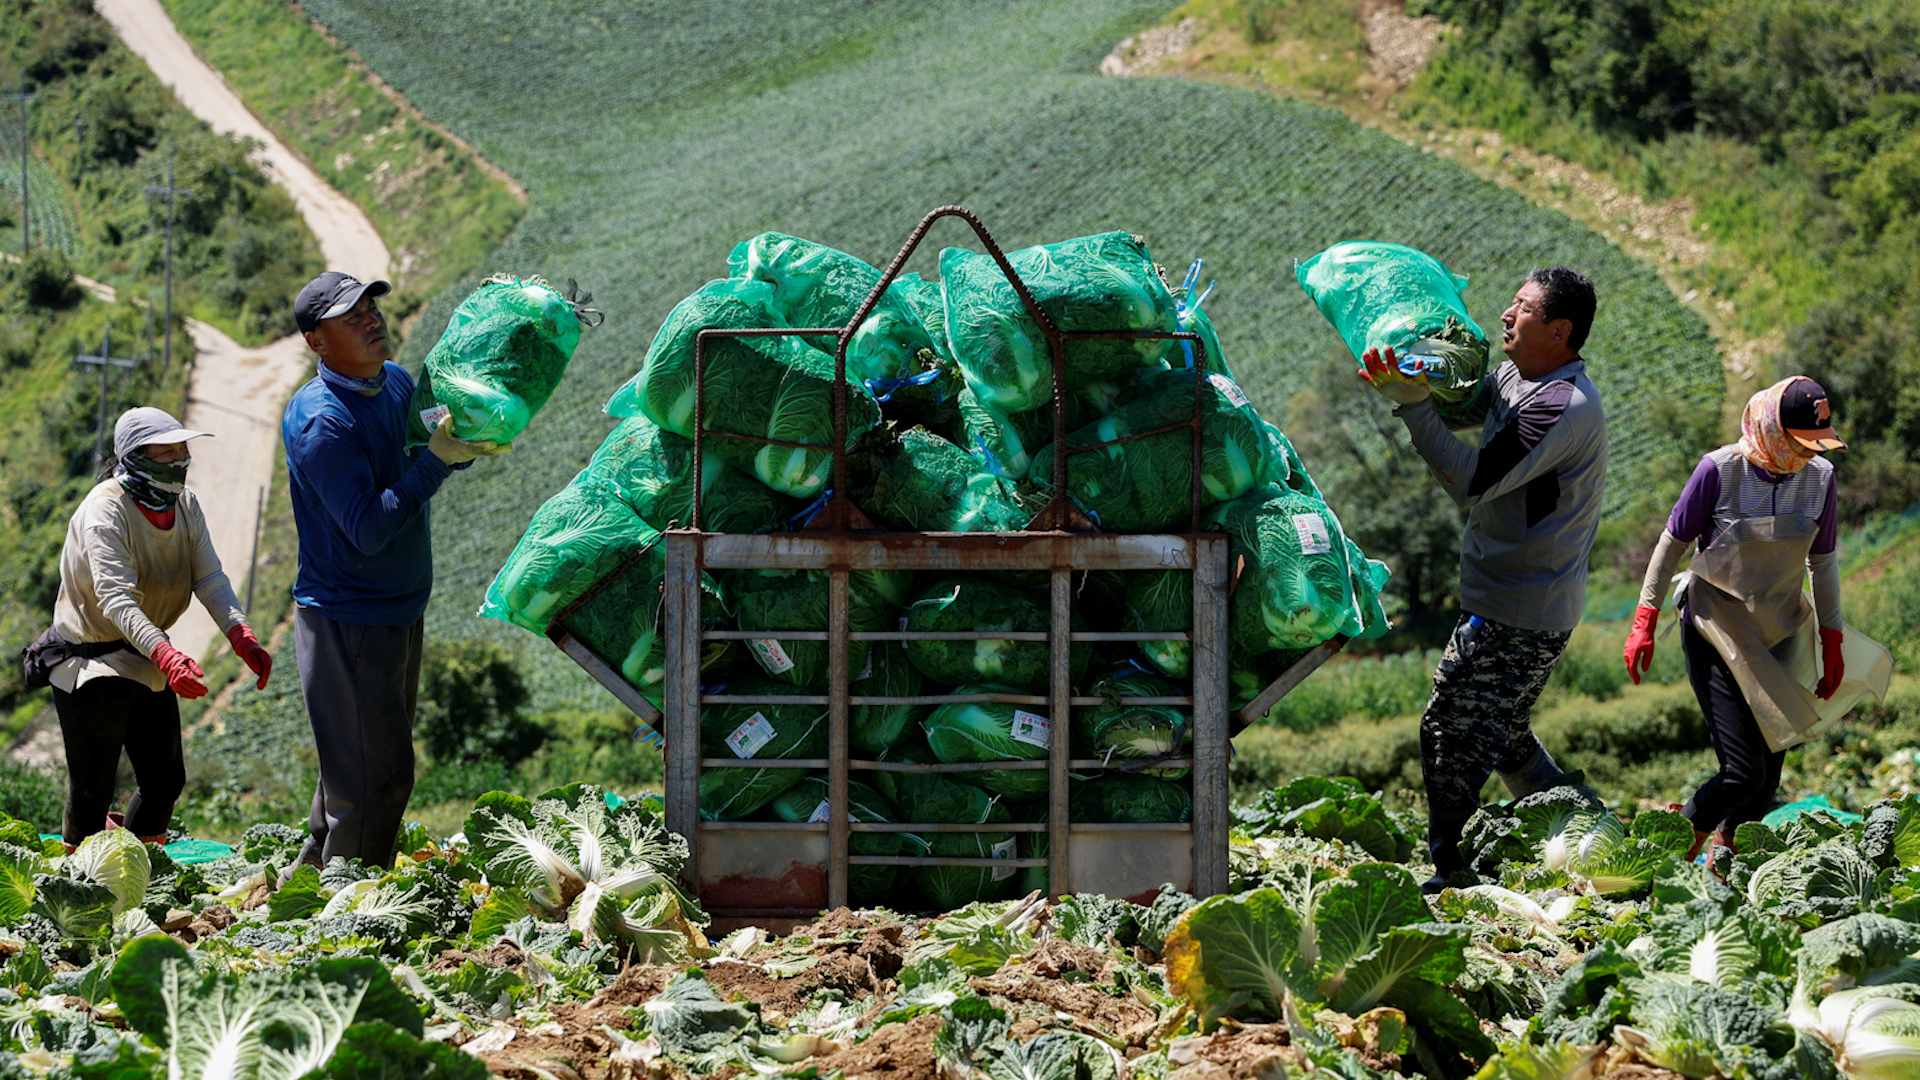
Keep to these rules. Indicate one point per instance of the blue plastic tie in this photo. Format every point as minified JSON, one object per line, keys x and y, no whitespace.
{"x":877,"y":386}
{"x":805,"y":517}
{"x":1188,"y":305}
{"x":992,"y":463}
{"x":1415,"y":366}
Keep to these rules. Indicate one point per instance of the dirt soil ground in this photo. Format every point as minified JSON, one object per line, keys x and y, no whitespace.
{"x":895,"y":1052}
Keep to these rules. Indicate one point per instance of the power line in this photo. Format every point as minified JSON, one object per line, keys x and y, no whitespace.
{"x":103,"y":361}
{"x":171,"y":193}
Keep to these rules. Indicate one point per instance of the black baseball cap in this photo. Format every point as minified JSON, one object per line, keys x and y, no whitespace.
{"x":1805,"y":414}
{"x":331,"y":294}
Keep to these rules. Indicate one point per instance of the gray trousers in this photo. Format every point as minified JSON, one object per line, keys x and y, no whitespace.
{"x":361,"y":684}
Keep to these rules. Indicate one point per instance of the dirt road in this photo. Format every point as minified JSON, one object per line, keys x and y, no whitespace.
{"x":237,"y":392}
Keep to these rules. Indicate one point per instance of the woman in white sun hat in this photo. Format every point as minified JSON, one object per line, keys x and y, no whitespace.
{"x":137,"y":553}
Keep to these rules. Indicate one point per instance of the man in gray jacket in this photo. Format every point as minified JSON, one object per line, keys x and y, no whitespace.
{"x":1532,"y":492}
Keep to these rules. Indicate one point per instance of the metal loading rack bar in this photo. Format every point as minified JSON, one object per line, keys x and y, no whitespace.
{"x":839,"y":539}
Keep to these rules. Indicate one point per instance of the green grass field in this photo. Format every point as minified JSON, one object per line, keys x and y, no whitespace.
{"x":649,"y":143}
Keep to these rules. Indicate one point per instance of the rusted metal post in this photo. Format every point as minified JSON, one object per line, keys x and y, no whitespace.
{"x":838,"y":691}
{"x":682,"y":647}
{"x":1059,"y":746}
{"x":1211,"y":817}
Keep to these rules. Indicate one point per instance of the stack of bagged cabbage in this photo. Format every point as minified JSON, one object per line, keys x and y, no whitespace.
{"x":949,"y":424}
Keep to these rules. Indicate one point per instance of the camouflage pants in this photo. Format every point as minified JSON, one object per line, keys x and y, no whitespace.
{"x":1478,"y":720}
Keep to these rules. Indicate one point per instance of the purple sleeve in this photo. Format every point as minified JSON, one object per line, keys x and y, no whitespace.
{"x":1828,"y":538}
{"x":1692,"y":516}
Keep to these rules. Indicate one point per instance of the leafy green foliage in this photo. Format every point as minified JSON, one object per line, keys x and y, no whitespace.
{"x":1328,"y":810}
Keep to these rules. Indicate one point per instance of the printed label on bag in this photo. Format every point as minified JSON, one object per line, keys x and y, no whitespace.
{"x":866,"y":670}
{"x":1003,"y":850}
{"x":773,"y":659}
{"x":1228,"y":390}
{"x":903,"y":624}
{"x":821,"y":813}
{"x":749,"y":737}
{"x":432,"y":417}
{"x":1314,"y":537}
{"x":1032,"y":729}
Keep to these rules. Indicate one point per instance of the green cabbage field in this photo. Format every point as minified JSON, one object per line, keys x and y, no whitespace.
{"x":547,"y":939}
{"x":651,"y":138}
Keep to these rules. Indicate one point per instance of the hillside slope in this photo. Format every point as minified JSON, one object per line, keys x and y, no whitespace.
{"x":655,"y":142}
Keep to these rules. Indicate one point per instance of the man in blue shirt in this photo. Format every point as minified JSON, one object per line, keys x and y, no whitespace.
{"x":366,"y":564}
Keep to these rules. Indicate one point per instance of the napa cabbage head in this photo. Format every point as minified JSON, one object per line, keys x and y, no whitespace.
{"x":116,"y":859}
{"x":1874,"y":1032}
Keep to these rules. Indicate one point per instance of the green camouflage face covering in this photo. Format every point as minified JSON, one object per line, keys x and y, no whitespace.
{"x":153,"y":484}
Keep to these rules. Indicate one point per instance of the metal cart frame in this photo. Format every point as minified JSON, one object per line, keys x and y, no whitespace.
{"x":759,"y":869}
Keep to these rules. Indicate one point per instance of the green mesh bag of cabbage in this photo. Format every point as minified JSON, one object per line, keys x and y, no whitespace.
{"x":1299,"y":585}
{"x":1103,"y":282}
{"x":776,"y":388}
{"x":654,"y":471}
{"x":624,"y":621}
{"x":503,"y":351}
{"x":957,"y":605}
{"x":1146,"y":485}
{"x":932,"y":799}
{"x":1122,"y":732}
{"x":1002,"y":442}
{"x":1117,"y":797}
{"x":576,"y":538}
{"x":1392,"y":296}
{"x":797,"y":600}
{"x":992,"y":731}
{"x":924,"y":483}
{"x":818,"y":286}
{"x":807,"y":801}
{"x":758,"y":733}
{"x":879,"y":729}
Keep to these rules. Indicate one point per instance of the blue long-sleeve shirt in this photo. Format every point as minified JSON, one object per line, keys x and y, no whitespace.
{"x":360,"y":503}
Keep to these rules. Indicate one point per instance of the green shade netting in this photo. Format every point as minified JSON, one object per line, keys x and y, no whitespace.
{"x":576,"y":538}
{"x":869,"y":885}
{"x":1119,"y":733}
{"x":193,"y":852}
{"x":654,"y":472}
{"x":925,"y":483}
{"x":878,"y":729}
{"x":1117,"y":797}
{"x":962,"y":604}
{"x":1146,"y":485}
{"x":503,"y":352}
{"x":1104,"y":282}
{"x":797,"y":600}
{"x":1298,"y":584}
{"x":622,"y":624}
{"x":817,"y":286}
{"x":758,"y":732}
{"x":991,"y":731}
{"x":772,"y":388}
{"x":1392,"y":296}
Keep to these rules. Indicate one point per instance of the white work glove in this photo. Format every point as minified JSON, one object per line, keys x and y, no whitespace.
{"x":454,"y":451}
{"x":1383,"y":373}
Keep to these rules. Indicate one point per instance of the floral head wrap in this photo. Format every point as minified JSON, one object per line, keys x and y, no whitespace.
{"x":1764,"y":440}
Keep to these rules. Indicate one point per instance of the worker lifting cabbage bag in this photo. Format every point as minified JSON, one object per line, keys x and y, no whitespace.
{"x":1381,"y":296}
{"x":777,"y":388}
{"x":497,"y":362}
{"x":1103,"y":282}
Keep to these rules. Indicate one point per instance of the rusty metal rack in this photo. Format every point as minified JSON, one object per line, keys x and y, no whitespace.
{"x":778,"y":870}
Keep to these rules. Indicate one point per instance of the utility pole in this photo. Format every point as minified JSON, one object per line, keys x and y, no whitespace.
{"x":171,"y":193}
{"x":105,"y":360}
{"x":26,"y":230}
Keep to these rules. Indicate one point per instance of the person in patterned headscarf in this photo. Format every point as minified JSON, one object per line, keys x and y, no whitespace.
{"x":1761,"y":512}
{"x":137,"y":552}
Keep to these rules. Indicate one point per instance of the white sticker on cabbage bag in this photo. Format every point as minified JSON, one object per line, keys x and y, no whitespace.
{"x":1314,"y":537}
{"x":749,"y":737}
{"x":821,"y":813}
{"x":432,"y":417}
{"x":1228,"y":390}
{"x":1032,"y":729}
{"x":773,"y":659}
{"x":1003,"y":850}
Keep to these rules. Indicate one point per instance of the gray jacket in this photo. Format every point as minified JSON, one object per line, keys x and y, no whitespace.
{"x":1531,"y":491}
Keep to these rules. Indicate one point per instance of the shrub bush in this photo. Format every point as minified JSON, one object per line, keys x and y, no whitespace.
{"x":472,"y":702}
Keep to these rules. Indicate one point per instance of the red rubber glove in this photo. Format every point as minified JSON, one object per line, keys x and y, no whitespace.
{"x":247,"y":648}
{"x":1833,"y":666}
{"x":183,"y":675}
{"x":1640,"y":642}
